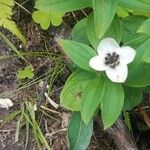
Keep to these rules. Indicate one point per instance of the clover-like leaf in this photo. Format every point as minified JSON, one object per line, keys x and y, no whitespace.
{"x":46,"y":18}
{"x":27,"y":72}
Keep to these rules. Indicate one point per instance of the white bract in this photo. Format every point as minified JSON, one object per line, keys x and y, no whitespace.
{"x":5,"y":103}
{"x":113,"y":59}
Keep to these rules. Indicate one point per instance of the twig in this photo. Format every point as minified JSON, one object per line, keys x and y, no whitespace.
{"x":53,"y":111}
{"x":22,"y":7}
{"x":51,"y":101}
{"x":7,"y":130}
{"x":74,"y":16}
{"x":51,"y":134}
{"x":84,"y":13}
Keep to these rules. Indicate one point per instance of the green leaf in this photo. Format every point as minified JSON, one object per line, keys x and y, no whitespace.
{"x":79,"y":33}
{"x":92,"y":98}
{"x":138,"y":41}
{"x":42,"y":18}
{"x":56,"y":18}
{"x":72,"y":94}
{"x":122,"y":12}
{"x":112,"y":32}
{"x":146,"y":56}
{"x":145,"y":27}
{"x":79,"y":134}
{"x":79,"y":53}
{"x":130,"y":26}
{"x":91,"y":32}
{"x":135,"y":5}
{"x":45,"y":18}
{"x":25,"y":73}
{"x":146,"y":89}
{"x":112,"y":103}
{"x":139,"y":74}
{"x":6,"y":19}
{"x":131,"y":38}
{"x":104,"y":11}
{"x":145,"y":1}
{"x":62,"y":5}
{"x":133,"y":97}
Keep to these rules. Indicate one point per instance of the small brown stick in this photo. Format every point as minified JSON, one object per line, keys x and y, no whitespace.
{"x":50,"y":110}
{"x":61,"y":130}
{"x":121,"y":136}
{"x":74,"y":16}
{"x":84,"y":13}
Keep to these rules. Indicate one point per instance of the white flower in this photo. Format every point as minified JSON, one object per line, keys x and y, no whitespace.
{"x":113,"y":59}
{"x":5,"y":103}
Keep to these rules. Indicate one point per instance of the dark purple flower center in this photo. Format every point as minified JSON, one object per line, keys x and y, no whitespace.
{"x":112,"y":59}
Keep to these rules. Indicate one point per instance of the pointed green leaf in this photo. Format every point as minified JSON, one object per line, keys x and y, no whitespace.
{"x":139,"y":74}
{"x":79,"y":33}
{"x":92,"y":98}
{"x":62,"y":5}
{"x":145,"y":27}
{"x":112,"y":32}
{"x":130,"y":26}
{"x":79,"y":53}
{"x":91,"y":32}
{"x":112,"y":103}
{"x":79,"y":134}
{"x":104,"y":11}
{"x":135,"y":5}
{"x":117,"y":35}
{"x":72,"y":94}
{"x":146,"y":55}
{"x":145,"y":1}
